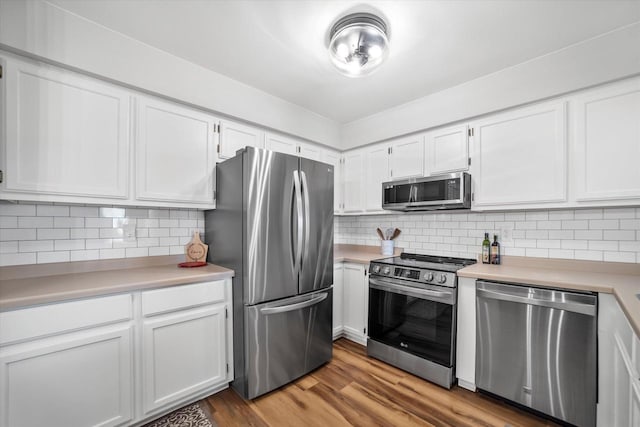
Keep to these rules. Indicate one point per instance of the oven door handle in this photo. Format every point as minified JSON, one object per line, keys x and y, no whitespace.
{"x":408,"y":290}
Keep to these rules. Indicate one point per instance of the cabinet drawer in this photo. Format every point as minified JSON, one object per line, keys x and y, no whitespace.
{"x":36,"y":322}
{"x":179,"y":297}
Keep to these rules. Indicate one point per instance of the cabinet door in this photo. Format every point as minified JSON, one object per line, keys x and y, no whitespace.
{"x":377,"y":171}
{"x":281,"y":144}
{"x":182,"y":353}
{"x":338,"y":297}
{"x":310,"y":151}
{"x":355,"y":304}
{"x":407,"y":157}
{"x":622,"y":382}
{"x":175,"y":153}
{"x":66,"y":134}
{"x":446,"y":150}
{"x":519,"y":156}
{"x":234,"y":136}
{"x":79,"y":379}
{"x":353,"y":182}
{"x":607,"y":142}
{"x":333,"y":158}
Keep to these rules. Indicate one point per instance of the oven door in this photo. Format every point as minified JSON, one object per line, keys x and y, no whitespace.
{"x":420,"y":321}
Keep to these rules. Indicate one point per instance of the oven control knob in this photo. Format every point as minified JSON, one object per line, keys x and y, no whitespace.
{"x":376,"y":269}
{"x":428,"y":277}
{"x":386,"y":270}
{"x":442,"y":278}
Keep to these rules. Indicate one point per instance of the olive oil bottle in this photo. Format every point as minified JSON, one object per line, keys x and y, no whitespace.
{"x":485,"y":249}
{"x":495,"y":251}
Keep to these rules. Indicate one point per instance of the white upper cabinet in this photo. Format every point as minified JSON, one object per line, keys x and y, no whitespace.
{"x":519,"y":157}
{"x":281,"y":144}
{"x":446,"y":150}
{"x":353,"y":181}
{"x":606,"y":124}
{"x":333,"y":158}
{"x":235,"y":136}
{"x":66,"y":134}
{"x":175,"y":153}
{"x":376,"y":166}
{"x":406,"y":157}
{"x":310,"y":151}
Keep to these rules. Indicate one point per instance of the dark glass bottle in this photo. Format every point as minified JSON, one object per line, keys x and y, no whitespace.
{"x":485,"y":249}
{"x":495,"y":251}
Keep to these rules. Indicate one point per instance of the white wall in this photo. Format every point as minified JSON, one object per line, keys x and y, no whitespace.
{"x":609,"y":234}
{"x":40,"y":29}
{"x":604,"y":58}
{"x":44,"y":233}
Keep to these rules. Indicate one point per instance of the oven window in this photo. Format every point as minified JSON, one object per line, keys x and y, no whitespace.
{"x":415,"y":325}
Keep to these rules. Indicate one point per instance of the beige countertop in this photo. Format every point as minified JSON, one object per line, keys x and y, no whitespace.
{"x":359,"y":254}
{"x":22,"y":286}
{"x":620,"y":279}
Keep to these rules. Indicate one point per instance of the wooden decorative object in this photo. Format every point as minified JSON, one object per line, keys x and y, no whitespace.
{"x":196,"y":250}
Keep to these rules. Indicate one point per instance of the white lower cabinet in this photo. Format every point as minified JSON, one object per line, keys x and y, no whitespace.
{"x":355,"y":302}
{"x":466,"y":333}
{"x":338,"y":297}
{"x":78,"y":379}
{"x":618,"y":377}
{"x":85,"y":362}
{"x":182,"y":353}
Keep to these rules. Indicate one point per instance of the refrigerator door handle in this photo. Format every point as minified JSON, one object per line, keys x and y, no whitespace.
{"x":299,"y":221}
{"x":307,"y":222}
{"x":291,"y":307}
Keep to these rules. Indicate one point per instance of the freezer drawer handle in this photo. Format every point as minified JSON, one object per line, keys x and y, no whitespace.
{"x":576,"y":307}
{"x":284,"y":308}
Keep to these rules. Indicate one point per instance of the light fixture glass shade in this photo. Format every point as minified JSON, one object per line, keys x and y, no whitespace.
{"x":358,"y":44}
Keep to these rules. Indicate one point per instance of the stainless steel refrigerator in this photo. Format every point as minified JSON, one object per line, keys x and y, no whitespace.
{"x":273,"y":225}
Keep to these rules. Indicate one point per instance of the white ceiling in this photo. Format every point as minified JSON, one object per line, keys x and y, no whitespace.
{"x":280,"y":46}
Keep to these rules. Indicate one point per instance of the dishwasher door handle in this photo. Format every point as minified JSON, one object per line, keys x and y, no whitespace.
{"x":575,"y":307}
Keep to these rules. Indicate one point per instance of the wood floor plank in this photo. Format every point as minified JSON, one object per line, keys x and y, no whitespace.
{"x":356,"y":390}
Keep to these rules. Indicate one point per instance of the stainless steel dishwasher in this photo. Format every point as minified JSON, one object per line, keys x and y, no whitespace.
{"x":537,"y":347}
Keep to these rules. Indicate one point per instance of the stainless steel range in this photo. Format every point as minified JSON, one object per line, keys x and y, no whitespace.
{"x":412,"y":314}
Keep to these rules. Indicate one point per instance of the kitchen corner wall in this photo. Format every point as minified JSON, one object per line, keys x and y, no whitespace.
{"x":44,"y":233}
{"x":610,"y":234}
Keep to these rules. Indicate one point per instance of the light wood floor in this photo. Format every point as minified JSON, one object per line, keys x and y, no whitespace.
{"x":355,"y":390}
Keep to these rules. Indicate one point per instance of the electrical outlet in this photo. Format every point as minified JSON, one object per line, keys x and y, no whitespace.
{"x":129,"y":230}
{"x":506,"y":234}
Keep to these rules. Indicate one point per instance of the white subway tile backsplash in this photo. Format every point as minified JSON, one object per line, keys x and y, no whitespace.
{"x":57,"y":256}
{"x":178,"y":214}
{"x":35,"y":245}
{"x":588,"y":234}
{"x":630,"y":246}
{"x":17,"y":259}
{"x":111,"y":233}
{"x":121,"y":243}
{"x":35,"y":222}
{"x":560,"y":215}
{"x":619,"y":235}
{"x":588,"y":214}
{"x":604,"y":224}
{"x":53,"y":233}
{"x":589,"y":255}
{"x":112,"y":253}
{"x":159,"y":250}
{"x":7,"y":234}
{"x":84,"y":211}
{"x":112,"y":212}
{"x":620,"y":213}
{"x":538,"y":253}
{"x":8,"y":247}
{"x":158,"y":213}
{"x":99,"y":243}
{"x":575,"y":225}
{"x":620,"y":256}
{"x":84,"y":255}
{"x":67,"y":245}
{"x":68,"y":222}
{"x":84,"y":233}
{"x":8,"y":222}
{"x":603,"y":245}
{"x":51,"y":210}
{"x":136,"y":252}
{"x":12,"y":209}
{"x":98,"y":222}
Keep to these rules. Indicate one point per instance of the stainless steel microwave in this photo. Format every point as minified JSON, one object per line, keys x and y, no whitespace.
{"x":450,"y":191}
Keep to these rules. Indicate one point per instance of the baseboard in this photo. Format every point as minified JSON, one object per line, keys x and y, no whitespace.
{"x":466,"y":384}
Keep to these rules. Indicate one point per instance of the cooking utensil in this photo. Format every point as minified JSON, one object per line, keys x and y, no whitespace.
{"x":380,"y":234}
{"x":396,"y":233}
{"x":388,"y":233}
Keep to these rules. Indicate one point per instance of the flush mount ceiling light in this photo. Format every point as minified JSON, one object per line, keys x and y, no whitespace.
{"x":358,"y":44}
